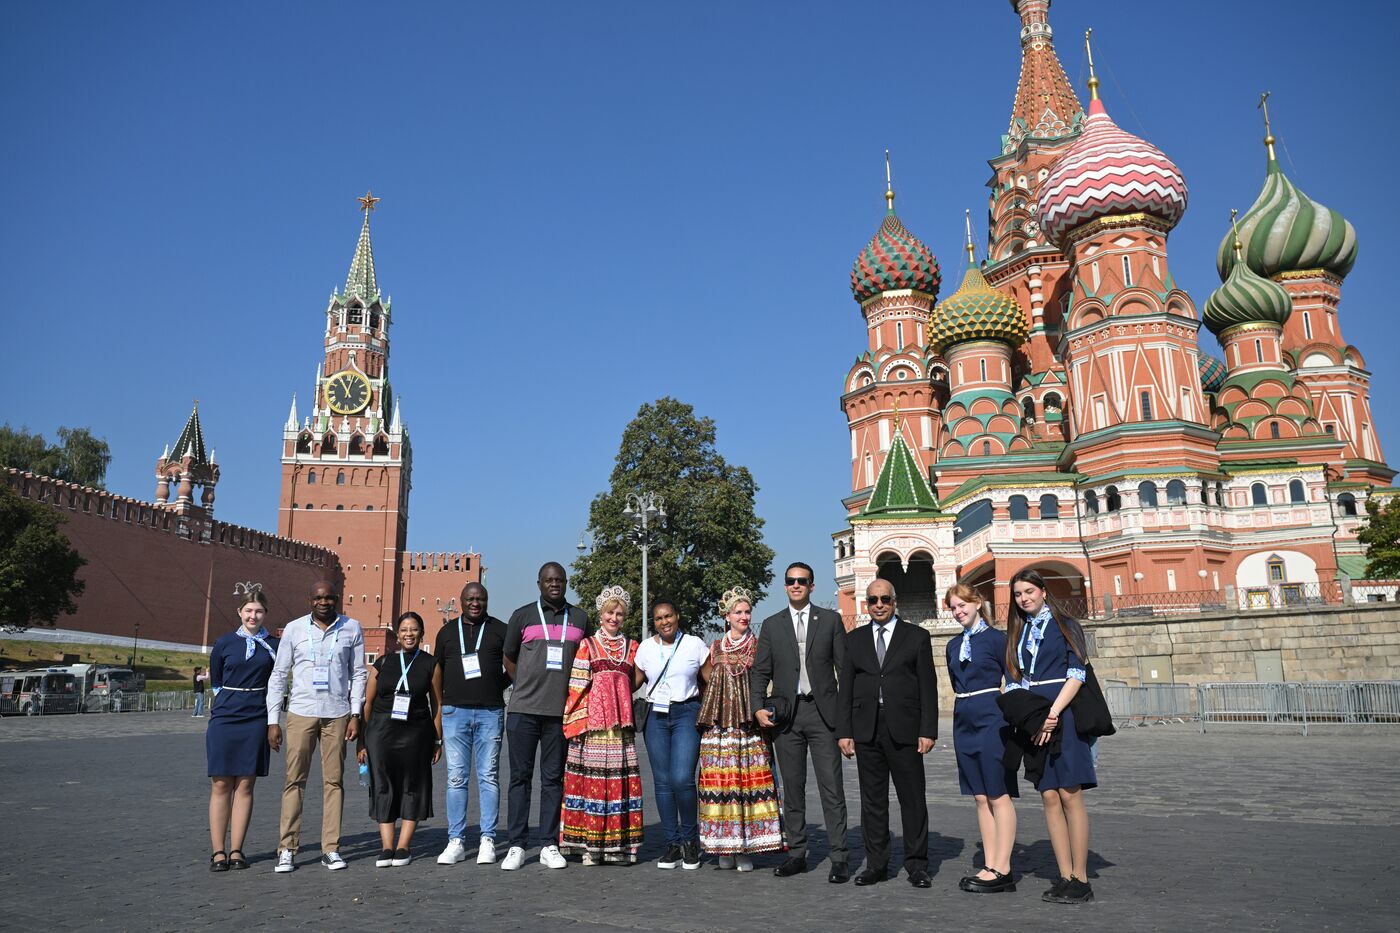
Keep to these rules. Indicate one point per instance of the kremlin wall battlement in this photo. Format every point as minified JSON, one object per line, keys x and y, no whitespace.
{"x":172,"y":575}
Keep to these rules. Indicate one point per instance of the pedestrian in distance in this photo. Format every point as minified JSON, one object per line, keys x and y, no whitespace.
{"x":470,"y":654}
{"x":200,"y":679}
{"x":320,"y":669}
{"x":402,"y":739}
{"x":235,"y":743}
{"x":541,"y":639}
{"x":887,"y":719}
{"x":976,"y":668}
{"x":800,"y":652}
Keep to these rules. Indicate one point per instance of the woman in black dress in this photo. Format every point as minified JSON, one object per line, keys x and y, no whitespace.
{"x":236,"y":740}
{"x":402,"y":739}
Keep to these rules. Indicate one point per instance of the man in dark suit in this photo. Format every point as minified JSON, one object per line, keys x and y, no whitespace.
{"x":800,"y":651}
{"x":887,"y":717}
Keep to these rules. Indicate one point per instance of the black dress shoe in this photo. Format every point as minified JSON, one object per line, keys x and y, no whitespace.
{"x":921,"y":879}
{"x":998,"y":885}
{"x":869,"y":876}
{"x":1052,"y":896}
{"x":793,"y":866}
{"x":840,"y":874}
{"x":1075,"y":892}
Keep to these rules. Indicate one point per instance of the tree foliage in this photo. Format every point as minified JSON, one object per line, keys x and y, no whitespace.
{"x":1381,"y":535}
{"x":711,"y":539}
{"x":38,"y":566}
{"x":78,"y":457}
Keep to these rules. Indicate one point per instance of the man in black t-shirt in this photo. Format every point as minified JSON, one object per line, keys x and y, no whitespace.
{"x":469,"y":651}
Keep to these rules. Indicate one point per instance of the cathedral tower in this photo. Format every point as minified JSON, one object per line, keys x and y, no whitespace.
{"x":346,"y":466}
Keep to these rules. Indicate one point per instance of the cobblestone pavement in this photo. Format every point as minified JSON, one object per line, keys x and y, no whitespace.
{"x":105,"y":829}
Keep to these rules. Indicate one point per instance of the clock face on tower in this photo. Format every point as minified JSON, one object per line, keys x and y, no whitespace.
{"x":347,"y":392}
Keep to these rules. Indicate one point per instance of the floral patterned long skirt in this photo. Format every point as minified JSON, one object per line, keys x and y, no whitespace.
{"x":738,"y":801}
{"x":602,"y":794}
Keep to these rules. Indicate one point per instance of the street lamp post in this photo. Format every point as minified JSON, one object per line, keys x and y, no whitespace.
{"x":646,"y":511}
{"x":135,"y":634}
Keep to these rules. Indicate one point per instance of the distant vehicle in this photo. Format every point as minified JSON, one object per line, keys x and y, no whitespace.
{"x":104,"y":687}
{"x":38,"y":693}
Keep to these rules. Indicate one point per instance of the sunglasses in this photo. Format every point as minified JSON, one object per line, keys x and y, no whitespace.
{"x":882,"y":600}
{"x":798,"y":581}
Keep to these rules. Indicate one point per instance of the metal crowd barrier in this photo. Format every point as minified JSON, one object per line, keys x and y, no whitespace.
{"x":1300,"y":704}
{"x":1149,"y":704}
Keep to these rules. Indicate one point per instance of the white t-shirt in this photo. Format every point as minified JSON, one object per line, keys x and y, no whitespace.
{"x":682,"y":677}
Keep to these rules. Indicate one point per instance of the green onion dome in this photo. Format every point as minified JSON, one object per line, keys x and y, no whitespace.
{"x":976,"y":311}
{"x":894,"y":259}
{"x":1246,"y":298}
{"x":1287,"y":231}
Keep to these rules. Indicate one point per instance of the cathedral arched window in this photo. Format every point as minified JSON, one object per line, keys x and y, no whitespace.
{"x":1019,"y":508}
{"x":1147,"y":495}
{"x":1049,"y":506}
{"x":982,"y":370}
{"x":1115,"y":500}
{"x":355,"y":315}
{"x":1091,"y":502}
{"x":1296,"y":492}
{"x":374,"y":320}
{"x":1053,"y":403}
{"x":311,"y":478}
{"x":1273,"y":430}
{"x":1176,"y":492}
{"x":1127,"y":272}
{"x":340,"y":478}
{"x":1347,"y":503}
{"x":1259,"y":494}
{"x":1028,"y":409}
{"x":986,"y":448}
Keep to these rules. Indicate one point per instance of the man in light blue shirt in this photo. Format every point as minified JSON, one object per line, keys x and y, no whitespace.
{"x":323,"y":655}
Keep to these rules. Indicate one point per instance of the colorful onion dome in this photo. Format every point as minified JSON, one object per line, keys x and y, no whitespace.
{"x":1246,"y":298}
{"x":1212,"y":371}
{"x":976,"y":311}
{"x":1108,"y":171}
{"x":1287,"y":231}
{"x":894,"y":259}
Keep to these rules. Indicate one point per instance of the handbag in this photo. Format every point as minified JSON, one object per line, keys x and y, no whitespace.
{"x":641,"y":706}
{"x":1092,"y":717}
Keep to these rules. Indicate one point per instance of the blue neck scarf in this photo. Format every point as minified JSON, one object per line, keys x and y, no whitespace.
{"x":252,"y":641}
{"x":1034,"y":633}
{"x":965,"y":652}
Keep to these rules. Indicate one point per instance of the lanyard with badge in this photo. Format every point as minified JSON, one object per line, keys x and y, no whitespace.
{"x":321,"y":673}
{"x":554,"y":654}
{"x":471,"y":663}
{"x":660,"y":694}
{"x":401,"y":694}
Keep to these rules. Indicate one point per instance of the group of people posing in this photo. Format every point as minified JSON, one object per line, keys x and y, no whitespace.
{"x":714,"y":718}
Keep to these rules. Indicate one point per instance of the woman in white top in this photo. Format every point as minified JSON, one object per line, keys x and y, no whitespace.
{"x":669,"y":664}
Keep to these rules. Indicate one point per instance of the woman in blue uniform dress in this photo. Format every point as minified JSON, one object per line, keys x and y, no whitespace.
{"x":1045,"y":654}
{"x":240,"y":664}
{"x":976,"y":665}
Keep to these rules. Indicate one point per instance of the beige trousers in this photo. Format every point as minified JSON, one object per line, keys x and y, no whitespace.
{"x":300,"y":738}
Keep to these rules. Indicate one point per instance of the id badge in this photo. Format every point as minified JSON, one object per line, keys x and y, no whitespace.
{"x":661,"y":699}
{"x":471,"y":666}
{"x":554,"y":658}
{"x":321,"y":677}
{"x":401,"y":701}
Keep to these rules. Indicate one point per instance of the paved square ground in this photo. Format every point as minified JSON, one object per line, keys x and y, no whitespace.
{"x":105,"y":828}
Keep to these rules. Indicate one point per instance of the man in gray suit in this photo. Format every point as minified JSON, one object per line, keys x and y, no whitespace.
{"x":800,"y":651}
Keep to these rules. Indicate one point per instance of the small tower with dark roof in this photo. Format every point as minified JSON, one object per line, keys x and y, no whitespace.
{"x":186,"y":465}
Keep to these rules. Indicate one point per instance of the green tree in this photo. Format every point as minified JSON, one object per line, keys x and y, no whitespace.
{"x":78,"y":457}
{"x":1381,"y":535}
{"x":711,"y":539}
{"x":38,"y":566}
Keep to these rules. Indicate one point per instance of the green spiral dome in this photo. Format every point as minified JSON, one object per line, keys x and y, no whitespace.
{"x":1287,"y":231}
{"x":1246,"y":298}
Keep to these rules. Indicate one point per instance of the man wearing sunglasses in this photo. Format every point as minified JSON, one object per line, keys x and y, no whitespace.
{"x":887,"y":713}
{"x":800,"y":651}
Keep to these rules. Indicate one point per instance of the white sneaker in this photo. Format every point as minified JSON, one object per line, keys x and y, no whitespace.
{"x":514,"y":859}
{"x":486,"y":853}
{"x":726,"y":862}
{"x":743,"y":863}
{"x":550,"y":857}
{"x":454,"y":853}
{"x":285,"y":861}
{"x":333,"y":861}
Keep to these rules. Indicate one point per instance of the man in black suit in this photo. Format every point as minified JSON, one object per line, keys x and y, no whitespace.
{"x":887,"y":717}
{"x":800,"y":651}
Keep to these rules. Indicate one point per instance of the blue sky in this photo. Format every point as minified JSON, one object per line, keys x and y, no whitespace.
{"x":585,"y":207}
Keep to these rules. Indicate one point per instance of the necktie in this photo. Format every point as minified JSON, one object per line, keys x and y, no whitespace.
{"x":803,"y":687}
{"x":880,"y":645}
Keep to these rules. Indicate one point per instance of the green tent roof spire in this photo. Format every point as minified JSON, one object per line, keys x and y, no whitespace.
{"x":901,"y":491}
{"x":361,"y":282}
{"x":191,"y":441}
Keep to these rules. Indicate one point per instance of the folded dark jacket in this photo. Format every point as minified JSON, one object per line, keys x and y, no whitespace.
{"x":1091,"y":714}
{"x":1026,"y":711}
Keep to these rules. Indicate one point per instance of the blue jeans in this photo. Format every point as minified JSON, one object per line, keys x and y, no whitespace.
{"x":199,"y":704}
{"x":472,"y":733}
{"x":673,"y":748}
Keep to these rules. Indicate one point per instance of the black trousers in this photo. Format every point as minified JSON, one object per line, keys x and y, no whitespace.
{"x":877,"y":763}
{"x":809,"y":734}
{"x":526,"y":734}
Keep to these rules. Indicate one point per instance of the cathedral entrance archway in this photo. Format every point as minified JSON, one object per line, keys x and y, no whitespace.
{"x":914,"y":586}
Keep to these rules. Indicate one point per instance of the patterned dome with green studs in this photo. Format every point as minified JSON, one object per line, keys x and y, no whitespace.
{"x":976,"y":311}
{"x":1246,"y":298}
{"x":1213,"y":372}
{"x":1287,"y":231}
{"x":894,"y":259}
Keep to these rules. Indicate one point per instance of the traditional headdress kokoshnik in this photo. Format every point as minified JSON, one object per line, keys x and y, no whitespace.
{"x":614,"y":592}
{"x":734,"y":597}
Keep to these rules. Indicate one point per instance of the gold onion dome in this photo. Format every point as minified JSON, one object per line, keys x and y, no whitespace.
{"x":976,"y":311}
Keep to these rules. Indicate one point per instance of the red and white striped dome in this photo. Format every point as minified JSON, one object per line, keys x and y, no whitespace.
{"x":1108,"y":171}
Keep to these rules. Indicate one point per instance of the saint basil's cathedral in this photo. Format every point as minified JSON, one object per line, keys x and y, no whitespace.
{"x":1056,"y":410}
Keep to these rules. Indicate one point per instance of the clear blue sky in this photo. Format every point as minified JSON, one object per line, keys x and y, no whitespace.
{"x":585,"y":207}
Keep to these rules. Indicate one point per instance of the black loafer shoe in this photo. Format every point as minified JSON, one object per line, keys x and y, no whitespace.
{"x":840,"y":874}
{"x":1052,"y":896}
{"x":869,"y":876}
{"x":1001,"y":883}
{"x":921,"y":879}
{"x":793,"y":866}
{"x":1075,"y":892}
